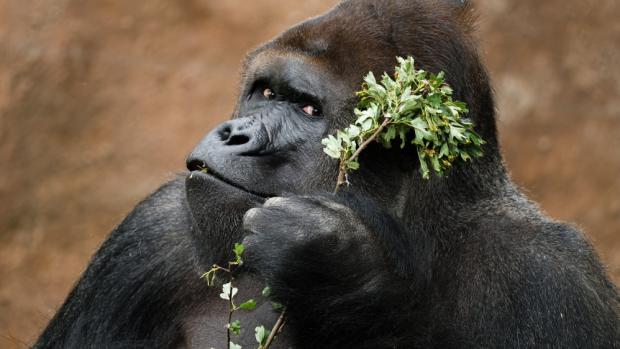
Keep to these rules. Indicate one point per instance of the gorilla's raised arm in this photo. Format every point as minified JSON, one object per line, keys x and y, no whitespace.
{"x":352,"y":276}
{"x":342,"y":267}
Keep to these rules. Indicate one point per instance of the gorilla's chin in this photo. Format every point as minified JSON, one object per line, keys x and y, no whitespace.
{"x":212,"y":183}
{"x":223,"y":180}
{"x":207,"y":193}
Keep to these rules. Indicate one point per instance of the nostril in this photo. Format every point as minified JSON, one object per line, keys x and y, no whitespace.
{"x":196,"y":165}
{"x":237,"y":140}
{"x":225,"y":134}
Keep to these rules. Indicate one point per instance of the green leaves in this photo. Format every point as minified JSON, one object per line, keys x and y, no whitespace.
{"x":267,"y":294}
{"x":412,"y":107}
{"x":250,"y":304}
{"x":333,"y":146}
{"x":235,"y":327}
{"x":228,"y":291}
{"x":238,"y":250}
{"x":261,"y":335}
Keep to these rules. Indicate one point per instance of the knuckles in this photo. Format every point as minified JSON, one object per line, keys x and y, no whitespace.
{"x":250,"y":217}
{"x":297,"y":217}
{"x":275,"y":201}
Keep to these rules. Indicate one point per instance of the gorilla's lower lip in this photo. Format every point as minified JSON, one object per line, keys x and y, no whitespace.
{"x":224,"y":180}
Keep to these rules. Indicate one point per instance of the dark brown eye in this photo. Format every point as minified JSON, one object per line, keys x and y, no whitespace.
{"x":268,"y":93}
{"x":311,"y":110}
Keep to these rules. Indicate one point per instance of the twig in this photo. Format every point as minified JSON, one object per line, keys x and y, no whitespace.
{"x":231,"y":310}
{"x":343,"y":169}
{"x":276,"y":329}
{"x":231,"y":304}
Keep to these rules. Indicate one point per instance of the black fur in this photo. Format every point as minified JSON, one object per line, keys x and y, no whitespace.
{"x":394,"y":261}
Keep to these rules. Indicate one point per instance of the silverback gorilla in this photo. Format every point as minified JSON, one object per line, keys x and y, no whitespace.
{"x":393,"y":261}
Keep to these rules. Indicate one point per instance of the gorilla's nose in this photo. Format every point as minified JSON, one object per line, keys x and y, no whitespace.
{"x":238,"y":137}
{"x":232,"y":133}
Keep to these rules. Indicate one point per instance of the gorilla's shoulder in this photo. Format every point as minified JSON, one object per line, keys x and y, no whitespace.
{"x":166,"y":205}
{"x":538,"y":271}
{"x":167,"y":196}
{"x":156,"y":233}
{"x":162,"y":220}
{"x":520,"y":226}
{"x":534,"y":247}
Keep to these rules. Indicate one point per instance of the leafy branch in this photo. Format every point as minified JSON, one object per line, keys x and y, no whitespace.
{"x":263,"y":336}
{"x":416,"y":107}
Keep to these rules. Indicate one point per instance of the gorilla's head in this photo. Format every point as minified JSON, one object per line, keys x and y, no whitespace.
{"x":301,"y":86}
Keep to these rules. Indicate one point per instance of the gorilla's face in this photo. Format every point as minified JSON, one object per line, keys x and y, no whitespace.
{"x":274,"y":142}
{"x":295,"y":90}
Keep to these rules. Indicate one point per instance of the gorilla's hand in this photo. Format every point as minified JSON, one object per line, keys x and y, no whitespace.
{"x":327,"y":265}
{"x":290,"y":234}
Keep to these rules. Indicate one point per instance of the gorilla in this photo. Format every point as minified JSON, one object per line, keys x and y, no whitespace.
{"x":392,"y":261}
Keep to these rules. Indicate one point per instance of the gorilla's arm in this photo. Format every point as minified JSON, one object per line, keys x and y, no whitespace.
{"x":343,"y":268}
{"x":144,"y":282}
{"x":522,"y":281}
{"x":352,"y":277}
{"x":116,"y":301}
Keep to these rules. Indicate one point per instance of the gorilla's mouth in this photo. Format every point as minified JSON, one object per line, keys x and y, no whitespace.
{"x":204,"y":173}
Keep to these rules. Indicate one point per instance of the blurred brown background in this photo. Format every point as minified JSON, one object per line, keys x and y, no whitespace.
{"x":100,"y":101}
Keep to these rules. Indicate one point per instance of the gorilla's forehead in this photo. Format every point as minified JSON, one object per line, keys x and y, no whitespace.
{"x":303,"y":73}
{"x":358,"y":36}
{"x":338,"y":43}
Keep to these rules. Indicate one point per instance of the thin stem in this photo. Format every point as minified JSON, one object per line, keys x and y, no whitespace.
{"x":210,"y":275}
{"x":342,"y":169}
{"x":231,"y":310}
{"x":276,"y":329}
{"x":370,"y":139}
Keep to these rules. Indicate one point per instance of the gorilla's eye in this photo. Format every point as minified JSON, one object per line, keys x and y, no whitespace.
{"x":311,"y":110}
{"x":268,"y":93}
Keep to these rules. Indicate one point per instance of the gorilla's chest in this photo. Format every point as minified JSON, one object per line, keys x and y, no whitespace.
{"x":205,"y":327}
